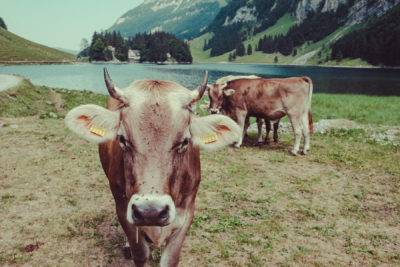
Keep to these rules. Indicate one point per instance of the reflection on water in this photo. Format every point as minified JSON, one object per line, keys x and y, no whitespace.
{"x":326,"y":80}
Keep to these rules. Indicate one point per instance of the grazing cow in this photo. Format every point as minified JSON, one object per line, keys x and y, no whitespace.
{"x":269,"y":99}
{"x":149,"y":140}
{"x":229,"y":78}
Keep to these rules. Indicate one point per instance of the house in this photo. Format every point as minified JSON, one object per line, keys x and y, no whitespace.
{"x":133,"y":56}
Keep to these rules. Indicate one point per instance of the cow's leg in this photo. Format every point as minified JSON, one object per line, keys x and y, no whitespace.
{"x":297,"y":130}
{"x":276,"y":126}
{"x":259,"y":128}
{"x":306,"y":133}
{"x":170,"y":255}
{"x":268,"y":129}
{"x":139,"y":250}
{"x":246,"y":126}
{"x":241,"y":118}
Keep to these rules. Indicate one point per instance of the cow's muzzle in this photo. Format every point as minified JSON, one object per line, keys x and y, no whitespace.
{"x":151,"y":210}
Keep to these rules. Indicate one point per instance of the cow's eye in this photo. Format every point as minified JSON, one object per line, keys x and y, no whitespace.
{"x":183,"y":146}
{"x":125,"y":144}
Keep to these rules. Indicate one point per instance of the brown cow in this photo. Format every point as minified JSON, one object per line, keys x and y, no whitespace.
{"x":269,"y":99}
{"x":149,"y":139}
{"x":229,"y":78}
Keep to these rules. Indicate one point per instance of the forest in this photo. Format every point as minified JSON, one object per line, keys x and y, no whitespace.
{"x":378,"y":43}
{"x":155,"y":47}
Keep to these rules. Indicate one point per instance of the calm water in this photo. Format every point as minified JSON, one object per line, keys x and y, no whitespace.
{"x":327,"y":80}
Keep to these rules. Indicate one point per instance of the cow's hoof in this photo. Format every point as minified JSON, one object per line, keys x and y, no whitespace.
{"x":127,"y":253}
{"x":303,"y":153}
{"x":276,"y":141}
{"x":291,"y":153}
{"x":267,"y":143}
{"x":259,"y":143}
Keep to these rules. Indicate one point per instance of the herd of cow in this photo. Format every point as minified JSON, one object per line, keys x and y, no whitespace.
{"x":149,"y":139}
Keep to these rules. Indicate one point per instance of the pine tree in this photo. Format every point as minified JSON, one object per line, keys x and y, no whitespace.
{"x":97,"y":50}
{"x":249,"y":50}
{"x":3,"y":24}
{"x":240,"y":51}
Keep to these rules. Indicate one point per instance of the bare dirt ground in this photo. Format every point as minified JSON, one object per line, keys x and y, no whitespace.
{"x":255,"y":207}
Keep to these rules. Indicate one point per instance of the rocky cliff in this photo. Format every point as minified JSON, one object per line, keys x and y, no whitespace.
{"x":184,"y":18}
{"x":359,"y":11}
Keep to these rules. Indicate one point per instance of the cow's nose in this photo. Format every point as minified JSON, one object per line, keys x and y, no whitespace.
{"x":151,"y":210}
{"x":150,"y":215}
{"x":214,"y":111}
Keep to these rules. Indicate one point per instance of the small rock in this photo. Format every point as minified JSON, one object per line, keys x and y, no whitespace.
{"x":53,"y":115}
{"x":49,"y":103}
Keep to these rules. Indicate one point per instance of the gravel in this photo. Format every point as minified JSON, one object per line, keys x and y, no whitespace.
{"x":382,"y":134}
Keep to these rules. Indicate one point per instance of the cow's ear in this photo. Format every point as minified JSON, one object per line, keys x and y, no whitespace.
{"x":214,"y":131}
{"x":93,"y":123}
{"x":229,"y":92}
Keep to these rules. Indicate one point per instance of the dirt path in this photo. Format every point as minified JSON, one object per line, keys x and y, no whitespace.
{"x":303,"y":59}
{"x":7,"y":81}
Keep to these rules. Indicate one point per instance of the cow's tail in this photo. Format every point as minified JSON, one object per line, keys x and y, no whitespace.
{"x":310,"y":91}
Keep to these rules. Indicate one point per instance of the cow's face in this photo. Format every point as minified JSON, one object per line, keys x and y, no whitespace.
{"x":158,"y":135}
{"x":217,"y":94}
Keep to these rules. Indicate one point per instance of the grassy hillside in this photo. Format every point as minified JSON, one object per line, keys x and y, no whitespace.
{"x":337,"y":206}
{"x":307,"y":54}
{"x":15,"y":49}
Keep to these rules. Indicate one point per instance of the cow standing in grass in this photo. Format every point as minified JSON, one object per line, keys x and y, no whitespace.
{"x":223,"y":81}
{"x":270,"y":99}
{"x":149,"y":140}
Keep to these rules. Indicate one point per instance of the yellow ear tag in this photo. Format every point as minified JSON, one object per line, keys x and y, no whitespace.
{"x":210,"y":138}
{"x":98,"y":130}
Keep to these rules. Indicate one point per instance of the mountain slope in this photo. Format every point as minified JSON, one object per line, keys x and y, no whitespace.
{"x":241,"y":21}
{"x":14,"y":49}
{"x":377,"y":43}
{"x":184,"y":18}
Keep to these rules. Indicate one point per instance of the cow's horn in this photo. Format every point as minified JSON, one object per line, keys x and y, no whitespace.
{"x":202,"y":88}
{"x":112,"y":90}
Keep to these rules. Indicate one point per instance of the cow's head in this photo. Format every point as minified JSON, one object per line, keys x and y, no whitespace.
{"x":159,"y":135}
{"x":217,"y":93}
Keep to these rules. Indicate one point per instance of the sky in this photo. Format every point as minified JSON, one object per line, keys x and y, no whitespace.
{"x":62,"y":23}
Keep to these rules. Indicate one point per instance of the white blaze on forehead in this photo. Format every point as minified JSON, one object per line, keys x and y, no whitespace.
{"x":155,"y":118}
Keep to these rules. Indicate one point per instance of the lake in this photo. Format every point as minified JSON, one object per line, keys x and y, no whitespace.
{"x":366,"y":81}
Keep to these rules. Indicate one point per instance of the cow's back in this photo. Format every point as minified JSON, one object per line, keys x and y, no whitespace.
{"x":269,"y":97}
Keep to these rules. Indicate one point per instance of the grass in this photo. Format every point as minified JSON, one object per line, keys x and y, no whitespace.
{"x":374,"y":110}
{"x":15,"y":48}
{"x":338,"y":206}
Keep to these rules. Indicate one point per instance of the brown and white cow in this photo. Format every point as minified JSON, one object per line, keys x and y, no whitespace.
{"x":223,"y":81}
{"x":149,"y":140}
{"x":269,"y":99}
